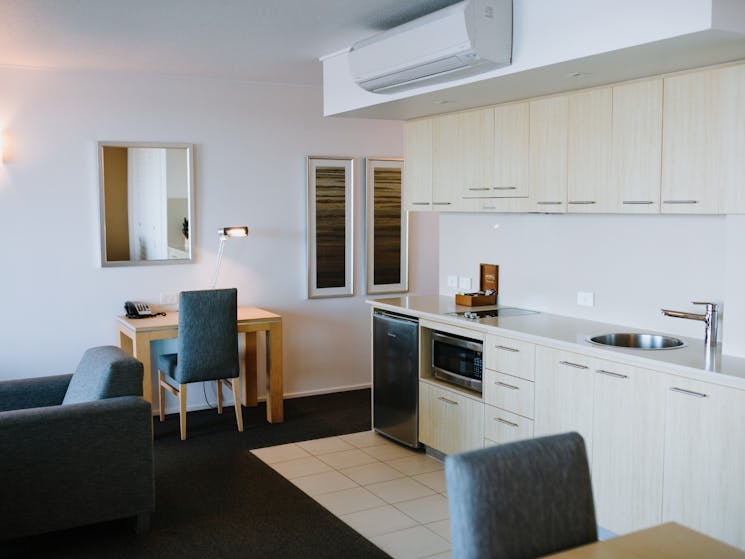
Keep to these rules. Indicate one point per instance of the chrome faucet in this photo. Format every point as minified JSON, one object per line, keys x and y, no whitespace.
{"x":710,"y":318}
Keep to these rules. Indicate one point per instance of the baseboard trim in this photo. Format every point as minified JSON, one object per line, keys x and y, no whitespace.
{"x":229,"y":402}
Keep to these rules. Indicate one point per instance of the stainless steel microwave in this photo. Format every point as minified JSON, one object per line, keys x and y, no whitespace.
{"x":457,"y":360}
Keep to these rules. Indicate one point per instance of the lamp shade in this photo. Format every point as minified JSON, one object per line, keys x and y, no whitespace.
{"x":241,"y":231}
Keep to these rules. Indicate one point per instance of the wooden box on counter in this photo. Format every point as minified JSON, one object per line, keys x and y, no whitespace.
{"x":489,"y":279}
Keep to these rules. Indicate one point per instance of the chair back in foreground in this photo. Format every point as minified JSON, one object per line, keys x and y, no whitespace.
{"x":207,"y":349}
{"x":520,"y":500}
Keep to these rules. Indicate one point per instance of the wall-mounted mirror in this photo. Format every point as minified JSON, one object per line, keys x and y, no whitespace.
{"x":146,"y":202}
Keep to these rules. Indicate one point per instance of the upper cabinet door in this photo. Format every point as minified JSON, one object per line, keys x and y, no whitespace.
{"x":692,"y":143}
{"x":548,"y":154}
{"x":637,"y":146}
{"x":476,"y":152}
{"x":417,"y":187}
{"x":447,"y":164}
{"x":732,"y":165}
{"x":511,"y":150}
{"x":589,"y":151}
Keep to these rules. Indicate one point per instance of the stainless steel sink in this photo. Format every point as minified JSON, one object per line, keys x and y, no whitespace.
{"x":638,"y":341}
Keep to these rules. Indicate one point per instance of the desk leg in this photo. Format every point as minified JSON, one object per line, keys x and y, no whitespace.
{"x":141,"y":351}
{"x":274,"y":395}
{"x":249,"y":394}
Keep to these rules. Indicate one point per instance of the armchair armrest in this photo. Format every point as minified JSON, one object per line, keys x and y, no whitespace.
{"x":76,"y":464}
{"x":33,"y":392}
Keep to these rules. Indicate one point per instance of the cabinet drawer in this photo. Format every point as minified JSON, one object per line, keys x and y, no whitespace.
{"x":501,"y":426}
{"x":448,"y":421}
{"x":509,"y":356}
{"x":509,"y":393}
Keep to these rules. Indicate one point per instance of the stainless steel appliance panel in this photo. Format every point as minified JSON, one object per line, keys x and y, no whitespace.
{"x":396,"y":377}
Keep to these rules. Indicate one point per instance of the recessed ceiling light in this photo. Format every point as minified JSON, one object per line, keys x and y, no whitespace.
{"x":577,"y":74}
{"x":442,"y":102}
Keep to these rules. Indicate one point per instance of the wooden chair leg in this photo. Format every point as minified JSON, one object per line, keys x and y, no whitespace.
{"x":219,"y":396}
{"x":182,"y":410}
{"x":237,"y":398}
{"x":161,"y":397}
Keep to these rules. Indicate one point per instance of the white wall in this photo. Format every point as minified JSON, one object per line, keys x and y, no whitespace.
{"x":251,"y":142}
{"x":635,"y":265}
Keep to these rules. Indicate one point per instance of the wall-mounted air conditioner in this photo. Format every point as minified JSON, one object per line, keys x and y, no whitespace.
{"x":461,"y":40}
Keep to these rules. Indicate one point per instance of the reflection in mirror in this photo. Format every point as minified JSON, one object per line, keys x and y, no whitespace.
{"x":146,"y":197}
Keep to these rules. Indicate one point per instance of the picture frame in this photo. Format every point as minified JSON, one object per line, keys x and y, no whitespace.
{"x":330,"y":226}
{"x":386,"y":226}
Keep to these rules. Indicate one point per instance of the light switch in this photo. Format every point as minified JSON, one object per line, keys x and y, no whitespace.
{"x":464,"y":284}
{"x":585,"y":298}
{"x":453,"y":282}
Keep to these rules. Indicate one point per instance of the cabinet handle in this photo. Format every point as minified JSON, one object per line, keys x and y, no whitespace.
{"x":505,"y":188}
{"x":680,"y":201}
{"x":510,"y":386}
{"x":506,"y":422}
{"x":575,"y":365}
{"x":611,"y":373}
{"x":688,"y":392}
{"x":488,"y":207}
{"x":478,"y":188}
{"x":441,"y":203}
{"x":504,"y":347}
{"x":581,"y":202}
{"x":420,"y":203}
{"x":549,"y":203}
{"x":637,"y":202}
{"x":448,"y":401}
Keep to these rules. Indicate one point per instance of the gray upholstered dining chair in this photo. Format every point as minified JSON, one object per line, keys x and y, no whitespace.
{"x":207,"y":349}
{"x":519,"y":500}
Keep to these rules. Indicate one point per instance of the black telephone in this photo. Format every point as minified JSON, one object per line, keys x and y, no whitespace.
{"x":137,"y":310}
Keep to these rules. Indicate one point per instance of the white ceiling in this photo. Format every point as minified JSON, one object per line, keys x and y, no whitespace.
{"x":276,"y":41}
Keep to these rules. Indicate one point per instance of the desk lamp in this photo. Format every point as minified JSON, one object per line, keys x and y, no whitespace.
{"x":225,"y":233}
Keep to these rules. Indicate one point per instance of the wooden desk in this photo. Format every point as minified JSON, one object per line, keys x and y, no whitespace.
{"x":135,"y":336}
{"x":666,"y":541}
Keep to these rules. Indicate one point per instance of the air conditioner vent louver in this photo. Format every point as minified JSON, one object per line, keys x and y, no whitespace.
{"x":463,"y":39}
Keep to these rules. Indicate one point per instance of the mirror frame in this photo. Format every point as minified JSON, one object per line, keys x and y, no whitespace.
{"x":102,"y":202}
{"x":346,"y":290}
{"x":401,"y":286}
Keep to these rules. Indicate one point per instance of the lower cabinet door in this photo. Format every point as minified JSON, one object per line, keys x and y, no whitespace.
{"x":501,"y":426}
{"x":449,"y":421}
{"x":704,"y":468}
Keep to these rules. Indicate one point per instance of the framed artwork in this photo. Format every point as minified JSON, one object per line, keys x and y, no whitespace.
{"x":386,"y":227}
{"x":330,"y":226}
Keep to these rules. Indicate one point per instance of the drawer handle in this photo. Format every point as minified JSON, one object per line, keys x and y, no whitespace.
{"x":582,"y":201}
{"x":506,"y":422}
{"x":420,"y":203}
{"x":575,"y":365}
{"x":488,"y":207}
{"x":505,"y":188}
{"x":633,"y":202}
{"x":504,"y":347}
{"x":680,"y":201}
{"x":441,"y":203}
{"x":611,"y":373}
{"x":549,"y":203}
{"x":510,"y":386}
{"x":448,"y":401}
{"x":688,"y":392}
{"x":478,"y":188}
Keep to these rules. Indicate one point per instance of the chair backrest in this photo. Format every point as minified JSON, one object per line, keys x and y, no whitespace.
{"x":523,"y":499}
{"x":208,"y":335}
{"x":104,"y":372}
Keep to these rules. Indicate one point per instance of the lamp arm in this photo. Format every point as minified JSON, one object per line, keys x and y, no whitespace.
{"x":219,"y":262}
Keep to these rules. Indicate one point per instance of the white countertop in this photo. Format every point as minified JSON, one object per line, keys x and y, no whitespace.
{"x":692,"y":361}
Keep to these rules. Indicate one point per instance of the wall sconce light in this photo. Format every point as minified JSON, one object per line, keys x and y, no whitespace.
{"x":226,"y":233}
{"x":2,"y":153}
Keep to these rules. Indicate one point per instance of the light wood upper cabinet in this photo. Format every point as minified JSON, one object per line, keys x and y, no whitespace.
{"x":476,"y":151}
{"x":589,"y":151}
{"x":637,"y":147}
{"x":511,"y":150}
{"x":732,"y":164}
{"x":704,"y":461}
{"x":417,"y":191}
{"x":628,"y":440}
{"x":447,"y":165}
{"x":692,"y":143}
{"x":548,"y":154}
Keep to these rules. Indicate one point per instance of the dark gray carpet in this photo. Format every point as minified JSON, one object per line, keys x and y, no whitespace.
{"x":215,"y":499}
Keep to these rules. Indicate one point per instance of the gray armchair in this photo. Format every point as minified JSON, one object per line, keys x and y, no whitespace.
{"x":76,"y":449}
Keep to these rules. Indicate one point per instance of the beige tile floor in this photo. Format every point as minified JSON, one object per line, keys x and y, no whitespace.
{"x":393,"y":496}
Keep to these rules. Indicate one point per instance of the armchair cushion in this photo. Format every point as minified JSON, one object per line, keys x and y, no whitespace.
{"x":104,"y":372}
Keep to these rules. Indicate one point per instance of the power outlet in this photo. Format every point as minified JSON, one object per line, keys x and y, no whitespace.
{"x":453,"y":282}
{"x":168,"y":298}
{"x":585,"y":298}
{"x":464,"y":283}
